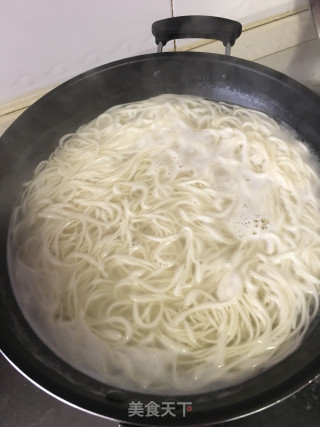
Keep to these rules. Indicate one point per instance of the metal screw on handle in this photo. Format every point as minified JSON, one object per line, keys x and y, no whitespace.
{"x":159,"y":47}
{"x":228,"y":49}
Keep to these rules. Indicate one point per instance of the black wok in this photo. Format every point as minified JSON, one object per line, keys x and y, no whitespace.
{"x":34,"y":136}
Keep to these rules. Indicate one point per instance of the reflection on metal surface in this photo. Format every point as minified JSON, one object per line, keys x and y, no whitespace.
{"x":228,"y":49}
{"x":160,"y":47}
{"x":315,"y":10}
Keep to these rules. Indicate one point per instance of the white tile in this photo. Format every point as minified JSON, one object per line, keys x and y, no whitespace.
{"x":245,"y":11}
{"x":46,"y":42}
{"x":269,"y":38}
{"x":301,"y":62}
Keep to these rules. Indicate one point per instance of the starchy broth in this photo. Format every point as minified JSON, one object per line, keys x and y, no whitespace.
{"x":171,"y":245}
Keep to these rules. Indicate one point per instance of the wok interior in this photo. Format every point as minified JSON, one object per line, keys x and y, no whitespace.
{"x":34,"y":136}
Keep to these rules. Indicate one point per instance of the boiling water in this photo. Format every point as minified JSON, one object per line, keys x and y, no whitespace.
{"x":166,"y":255}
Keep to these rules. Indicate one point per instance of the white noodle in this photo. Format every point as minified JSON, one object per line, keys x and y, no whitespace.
{"x":171,"y":244}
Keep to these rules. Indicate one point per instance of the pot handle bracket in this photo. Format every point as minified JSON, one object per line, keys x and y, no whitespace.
{"x":196,"y":26}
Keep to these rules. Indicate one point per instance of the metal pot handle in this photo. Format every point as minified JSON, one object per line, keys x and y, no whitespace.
{"x":196,"y":26}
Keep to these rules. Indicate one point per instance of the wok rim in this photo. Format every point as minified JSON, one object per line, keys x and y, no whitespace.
{"x":300,"y":380}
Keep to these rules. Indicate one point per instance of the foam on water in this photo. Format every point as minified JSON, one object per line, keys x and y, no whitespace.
{"x":235,"y":182}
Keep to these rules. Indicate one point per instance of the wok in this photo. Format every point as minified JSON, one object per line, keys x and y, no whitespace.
{"x":34,"y":135}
